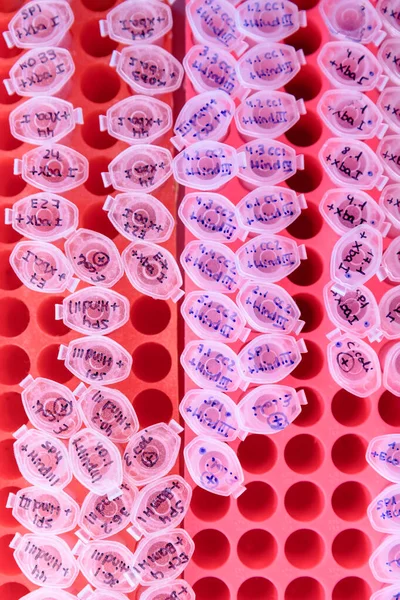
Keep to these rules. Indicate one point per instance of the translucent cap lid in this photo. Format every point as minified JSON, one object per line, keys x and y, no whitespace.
{"x":388,"y":57}
{"x":388,"y":11}
{"x":391,"y":370}
{"x":49,"y":594}
{"x":269,"y":66}
{"x":390,"y":266}
{"x":269,"y":21}
{"x":206,"y":165}
{"x":179,"y":587}
{"x":384,"y":516}
{"x":265,"y":161}
{"x":389,"y":309}
{"x":383,"y":456}
{"x":135,"y":22}
{"x":384,"y":561}
{"x":389,"y":153}
{"x":359,"y":22}
{"x":389,"y":105}
{"x":390,"y":202}
{"x":390,"y":592}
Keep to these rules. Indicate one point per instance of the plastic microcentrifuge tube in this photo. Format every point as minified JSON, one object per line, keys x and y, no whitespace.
{"x":351,"y":114}
{"x":269,"y":209}
{"x":391,"y":370}
{"x":204,"y":117}
{"x":52,"y":168}
{"x":43,"y":216}
{"x":45,"y":594}
{"x":268,"y":409}
{"x":42,"y":459}
{"x":160,"y":505}
{"x":215,"y":23}
{"x":389,"y":105}
{"x":45,"y":560}
{"x":150,"y":565}
{"x":39,"y":24}
{"x":139,"y":216}
{"x":356,"y":257}
{"x":269,"y":66}
{"x":211,"y":266}
{"x":214,"y":316}
{"x":383,"y":512}
{"x":388,"y":152}
{"x":88,"y":593}
{"x":269,"y":258}
{"x":44,"y":119}
{"x":269,"y":21}
{"x":389,"y":309}
{"x":148,"y":69}
{"x":210,"y":68}
{"x":214,"y":466}
{"x":206,"y":165}
{"x":346,"y":208}
{"x":388,"y":58}
{"x":177,"y":588}
{"x":270,"y":357}
{"x":140,"y":168}
{"x":391,"y":592}
{"x":388,"y":10}
{"x":356,"y":312}
{"x":358,"y":22}
{"x":107,"y":411}
{"x":96,"y":359}
{"x":153,"y":271}
{"x":136,"y":21}
{"x":354,"y":365}
{"x":350,"y":65}
{"x":50,"y":406}
{"x":42,"y":267}
{"x":383,"y":456}
{"x":101,"y":517}
{"x":152,"y":452}
{"x":269,"y":308}
{"x":211,"y":216}
{"x":137,"y":119}
{"x":390,"y":266}
{"x":350,"y":162}
{"x":390,"y":202}
{"x":268,"y":161}
{"x":212,"y":414}
{"x":96,"y":463}
{"x":384,"y":561}
{"x":94,"y":258}
{"x":212,"y":365}
{"x":40,"y":71}
{"x":93,"y":310}
{"x":39,"y":510}
{"x":106,"y":563}
{"x":268,"y":113}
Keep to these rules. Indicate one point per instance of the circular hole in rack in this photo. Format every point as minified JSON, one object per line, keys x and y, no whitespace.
{"x":93,"y":136}
{"x":152,"y":406}
{"x":258,"y":502}
{"x":389,"y":409}
{"x":8,"y":279}
{"x":94,"y":183}
{"x":350,"y":500}
{"x":96,"y":218}
{"x":10,"y":184}
{"x":8,"y":465}
{"x":304,"y":501}
{"x":311,"y":311}
{"x":212,"y":549}
{"x":305,"y":587}
{"x":93,"y":43}
{"x":13,"y":590}
{"x":49,"y":366}
{"x":312,"y":411}
{"x":306,"y":84}
{"x":6,"y":517}
{"x":306,"y":131}
{"x":349,"y":410}
{"x":12,"y":411}
{"x":46,"y":317}
{"x":100,"y":83}
{"x":207,"y":506}
{"x":304,"y":453}
{"x":7,"y":140}
{"x":304,"y":548}
{"x":151,"y":362}
{"x":257,"y":549}
{"x":308,"y":179}
{"x":308,"y":271}
{"x":5,"y":98}
{"x":149,"y":315}
{"x":350,"y":588}
{"x":14,"y":317}
{"x":311,"y":363}
{"x":211,"y":587}
{"x":11,"y":5}
{"x":351,"y":548}
{"x":98,"y":5}
{"x":14,"y":364}
{"x":5,"y":51}
{"x":307,"y":38}
{"x":257,"y":588}
{"x":348,"y":453}
{"x":307,"y":224}
{"x":257,"y":453}
{"x":8,"y":565}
